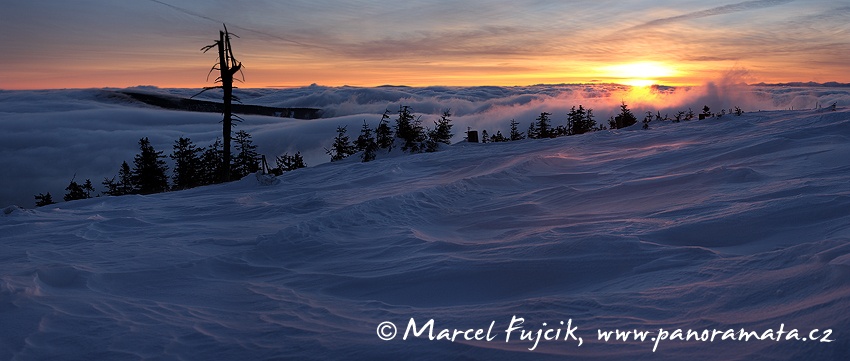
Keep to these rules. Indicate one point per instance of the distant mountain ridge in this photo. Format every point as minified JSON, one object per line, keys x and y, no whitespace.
{"x":830,"y":84}
{"x":194,"y":105}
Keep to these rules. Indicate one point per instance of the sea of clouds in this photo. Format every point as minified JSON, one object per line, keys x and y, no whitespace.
{"x":53,"y":136}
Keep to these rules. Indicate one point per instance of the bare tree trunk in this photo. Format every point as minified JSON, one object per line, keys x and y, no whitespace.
{"x":227,"y":86}
{"x":228,"y":66}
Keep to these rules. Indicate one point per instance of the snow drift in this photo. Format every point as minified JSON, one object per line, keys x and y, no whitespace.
{"x":731,"y":223}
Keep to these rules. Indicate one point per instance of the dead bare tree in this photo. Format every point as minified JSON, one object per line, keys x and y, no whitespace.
{"x":227,"y":66}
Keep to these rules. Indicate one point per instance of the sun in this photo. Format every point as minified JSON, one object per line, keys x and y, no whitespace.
{"x":639,"y":74}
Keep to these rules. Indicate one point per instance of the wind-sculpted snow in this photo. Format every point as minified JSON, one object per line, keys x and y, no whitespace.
{"x":730,"y":223}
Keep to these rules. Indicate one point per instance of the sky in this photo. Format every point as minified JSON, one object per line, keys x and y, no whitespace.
{"x":104,"y":43}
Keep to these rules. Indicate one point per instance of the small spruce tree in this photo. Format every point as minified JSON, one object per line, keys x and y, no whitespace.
{"x":431,"y":144}
{"x":366,"y":143}
{"x":364,"y":137}
{"x":247,"y":160}
{"x":42,"y":200}
{"x":73,"y":192}
{"x":532,"y":131}
{"x":515,"y":133}
{"x":626,"y":118}
{"x":120,"y":185}
{"x":212,"y":161}
{"x":647,"y":119}
{"x":580,"y":120}
{"x":88,"y":188}
{"x":149,"y":170}
{"x":187,"y":164}
{"x":77,"y":191}
{"x":443,"y":128}
{"x":589,"y":122}
{"x":111,"y":186}
{"x":342,"y":147}
{"x":498,"y":137}
{"x":288,"y":163}
{"x":409,"y":129}
{"x":125,"y":178}
{"x":544,"y":126}
{"x":383,"y":133}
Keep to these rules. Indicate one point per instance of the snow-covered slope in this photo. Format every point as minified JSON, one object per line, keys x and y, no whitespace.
{"x":731,"y":223}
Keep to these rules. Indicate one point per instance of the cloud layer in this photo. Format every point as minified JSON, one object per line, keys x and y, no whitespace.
{"x":51,"y":136}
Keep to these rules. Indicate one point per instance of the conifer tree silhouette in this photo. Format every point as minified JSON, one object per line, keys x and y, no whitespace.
{"x":383,"y":133}
{"x":287,"y":163}
{"x":580,"y":120}
{"x":409,"y":129}
{"x":212,"y":165}
{"x":77,"y":191}
{"x":149,"y":170}
{"x":342,"y":147}
{"x":532,"y":131}
{"x":543,"y":126}
{"x":366,"y":143}
{"x":125,"y":179}
{"x":625,"y":119}
{"x":42,"y":200}
{"x":187,"y":164}
{"x":443,"y":128}
{"x":247,"y":160}
{"x":515,"y":133}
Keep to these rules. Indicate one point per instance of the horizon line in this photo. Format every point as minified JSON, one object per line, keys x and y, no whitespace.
{"x":790,"y":84}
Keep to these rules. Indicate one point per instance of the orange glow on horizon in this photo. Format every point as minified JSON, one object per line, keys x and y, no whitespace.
{"x":641,"y":74}
{"x":261,"y":73}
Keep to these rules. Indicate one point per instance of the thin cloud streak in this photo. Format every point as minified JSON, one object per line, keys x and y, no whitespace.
{"x":263,"y":33}
{"x":720,"y":10}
